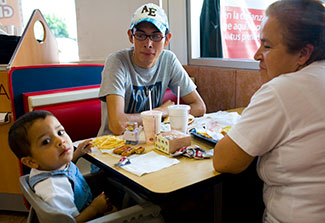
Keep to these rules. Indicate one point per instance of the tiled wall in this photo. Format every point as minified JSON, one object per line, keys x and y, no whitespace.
{"x":222,"y":88}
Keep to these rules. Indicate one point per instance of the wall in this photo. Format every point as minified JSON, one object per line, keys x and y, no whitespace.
{"x":102,"y":26}
{"x":177,"y":21}
{"x":222,"y":88}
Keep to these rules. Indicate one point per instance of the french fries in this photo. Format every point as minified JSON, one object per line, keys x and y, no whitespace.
{"x":107,"y":142}
{"x":205,"y":134}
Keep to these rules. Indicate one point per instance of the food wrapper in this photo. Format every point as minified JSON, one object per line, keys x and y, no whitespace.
{"x":195,"y":152}
{"x":215,"y":125}
{"x":122,"y":162}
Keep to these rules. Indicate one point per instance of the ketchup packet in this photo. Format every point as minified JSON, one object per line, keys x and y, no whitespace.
{"x":122,"y":162}
{"x":195,"y":152}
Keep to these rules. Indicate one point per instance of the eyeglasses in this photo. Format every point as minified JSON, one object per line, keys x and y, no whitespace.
{"x":143,"y":36}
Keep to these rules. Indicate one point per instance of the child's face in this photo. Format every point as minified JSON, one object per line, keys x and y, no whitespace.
{"x":51,"y":146}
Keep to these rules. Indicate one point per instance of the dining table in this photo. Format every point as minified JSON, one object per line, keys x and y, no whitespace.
{"x":183,"y":174}
{"x":187,"y":174}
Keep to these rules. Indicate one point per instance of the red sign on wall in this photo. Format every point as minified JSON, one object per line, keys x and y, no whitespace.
{"x":10,"y":13}
{"x":240,"y":31}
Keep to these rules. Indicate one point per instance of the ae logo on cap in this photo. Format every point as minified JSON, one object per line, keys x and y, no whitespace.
{"x":150,"y":11}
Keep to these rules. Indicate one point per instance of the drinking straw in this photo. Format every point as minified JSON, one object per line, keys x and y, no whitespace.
{"x":178,"y":94}
{"x":150,"y":103}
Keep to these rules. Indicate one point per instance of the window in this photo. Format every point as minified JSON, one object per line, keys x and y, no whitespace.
{"x":60,"y":15}
{"x":225,"y":33}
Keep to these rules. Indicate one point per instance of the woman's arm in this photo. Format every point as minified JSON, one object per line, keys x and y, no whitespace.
{"x":228,"y":157}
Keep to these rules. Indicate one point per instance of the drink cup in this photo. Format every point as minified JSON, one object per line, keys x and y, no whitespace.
{"x":151,"y":124}
{"x":178,"y":116}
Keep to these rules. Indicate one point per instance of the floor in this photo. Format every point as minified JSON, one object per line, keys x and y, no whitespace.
{"x":13,"y":217}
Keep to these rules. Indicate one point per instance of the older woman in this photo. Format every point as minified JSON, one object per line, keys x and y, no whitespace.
{"x":284,"y":124}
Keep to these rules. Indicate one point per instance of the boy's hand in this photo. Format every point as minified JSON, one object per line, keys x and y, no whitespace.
{"x":101,"y":204}
{"x":82,"y":149}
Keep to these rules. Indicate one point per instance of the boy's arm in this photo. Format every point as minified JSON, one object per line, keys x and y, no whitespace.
{"x":58,"y":193}
{"x":197,"y":104}
{"x":99,"y":206}
{"x":83,"y":148}
{"x":117,"y":118}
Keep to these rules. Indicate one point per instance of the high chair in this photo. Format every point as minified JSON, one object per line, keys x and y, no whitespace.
{"x":40,"y":211}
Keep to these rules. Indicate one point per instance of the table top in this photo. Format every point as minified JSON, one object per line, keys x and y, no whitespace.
{"x":187,"y":172}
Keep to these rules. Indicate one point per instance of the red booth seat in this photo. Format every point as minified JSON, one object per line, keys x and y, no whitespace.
{"x":78,"y":109}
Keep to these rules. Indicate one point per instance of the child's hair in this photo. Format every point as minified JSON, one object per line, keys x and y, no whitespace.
{"x":18,"y":134}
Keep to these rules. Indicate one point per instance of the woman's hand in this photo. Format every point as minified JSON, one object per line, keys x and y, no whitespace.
{"x":82,"y":149}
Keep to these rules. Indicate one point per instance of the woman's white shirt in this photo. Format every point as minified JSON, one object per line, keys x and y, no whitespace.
{"x":284,"y":125}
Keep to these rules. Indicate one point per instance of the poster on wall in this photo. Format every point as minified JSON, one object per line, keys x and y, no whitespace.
{"x":10,"y":16}
{"x":240,"y":27}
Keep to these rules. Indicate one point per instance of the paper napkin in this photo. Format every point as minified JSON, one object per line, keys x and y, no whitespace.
{"x":148,"y":163}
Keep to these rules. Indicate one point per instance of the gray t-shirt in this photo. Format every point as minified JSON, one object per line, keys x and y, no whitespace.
{"x":122,"y":77}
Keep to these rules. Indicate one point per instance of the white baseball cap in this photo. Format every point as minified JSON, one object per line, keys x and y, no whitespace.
{"x":150,"y":13}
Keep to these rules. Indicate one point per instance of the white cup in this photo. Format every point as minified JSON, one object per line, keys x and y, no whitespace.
{"x":178,"y":116}
{"x":151,"y":124}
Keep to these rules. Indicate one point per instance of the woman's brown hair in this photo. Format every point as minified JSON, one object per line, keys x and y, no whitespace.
{"x":303,"y":22}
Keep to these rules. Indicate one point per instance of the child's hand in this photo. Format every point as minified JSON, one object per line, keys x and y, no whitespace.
{"x":83,"y":148}
{"x":101,"y":204}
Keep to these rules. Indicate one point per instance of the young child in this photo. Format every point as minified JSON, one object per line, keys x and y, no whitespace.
{"x":40,"y":142}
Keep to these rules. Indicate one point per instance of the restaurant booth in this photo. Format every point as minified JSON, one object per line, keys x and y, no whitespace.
{"x":31,"y":78}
